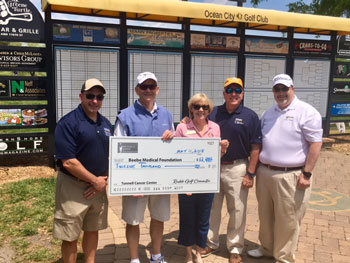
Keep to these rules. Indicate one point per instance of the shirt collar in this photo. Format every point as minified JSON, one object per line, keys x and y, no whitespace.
{"x":82,"y":115}
{"x":291,"y":106}
{"x":155,"y":107}
{"x":191,"y":125}
{"x":236,"y":111}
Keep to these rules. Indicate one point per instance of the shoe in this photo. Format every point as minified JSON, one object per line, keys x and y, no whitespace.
{"x":208,"y":251}
{"x":256,"y":253}
{"x":159,"y":260}
{"x":235,"y":258}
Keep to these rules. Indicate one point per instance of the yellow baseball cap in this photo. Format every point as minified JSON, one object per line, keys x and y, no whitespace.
{"x":230,"y":81}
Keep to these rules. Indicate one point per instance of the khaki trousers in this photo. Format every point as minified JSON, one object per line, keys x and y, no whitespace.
{"x":281,"y":207}
{"x":231,"y":178}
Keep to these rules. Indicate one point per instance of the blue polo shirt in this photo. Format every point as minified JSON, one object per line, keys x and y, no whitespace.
{"x":241,"y":128}
{"x":138,"y":121}
{"x":77,"y":136}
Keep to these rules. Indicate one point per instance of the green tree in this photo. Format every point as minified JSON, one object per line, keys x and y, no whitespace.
{"x":319,"y":7}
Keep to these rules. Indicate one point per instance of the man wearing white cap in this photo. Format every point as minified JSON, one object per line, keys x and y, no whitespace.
{"x":145,"y":118}
{"x":82,"y":140}
{"x":291,"y":144}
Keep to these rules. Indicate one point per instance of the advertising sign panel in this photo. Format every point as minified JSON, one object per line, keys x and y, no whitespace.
{"x":309,"y":47}
{"x":341,"y":88}
{"x":22,"y":87}
{"x":344,"y":45}
{"x":266,"y":45}
{"x":23,"y":145}
{"x":20,"y":21}
{"x":214,"y":42}
{"x":342,"y":68}
{"x":22,"y":59}
{"x":156,"y":38}
{"x":23,"y":117}
{"x":85,"y":33}
{"x":339,"y":109}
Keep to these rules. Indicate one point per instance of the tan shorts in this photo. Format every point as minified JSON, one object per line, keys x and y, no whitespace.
{"x":74,"y":212}
{"x":134,"y":208}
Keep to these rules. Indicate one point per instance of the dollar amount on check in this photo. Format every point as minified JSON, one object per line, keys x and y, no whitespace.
{"x":148,"y":165}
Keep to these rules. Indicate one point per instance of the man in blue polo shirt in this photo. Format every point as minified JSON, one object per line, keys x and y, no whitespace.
{"x":241,"y":127}
{"x":81,"y":141}
{"x":145,"y":118}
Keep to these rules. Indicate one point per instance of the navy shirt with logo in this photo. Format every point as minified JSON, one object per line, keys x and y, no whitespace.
{"x":241,"y":128}
{"x":77,"y":136}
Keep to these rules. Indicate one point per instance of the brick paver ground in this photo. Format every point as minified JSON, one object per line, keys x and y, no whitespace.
{"x":325,"y":234}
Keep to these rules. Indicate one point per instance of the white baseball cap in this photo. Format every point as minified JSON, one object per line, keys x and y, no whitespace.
{"x":283,"y":79}
{"x":142,"y":77}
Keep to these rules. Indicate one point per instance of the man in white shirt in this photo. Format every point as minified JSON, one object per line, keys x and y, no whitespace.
{"x":291,"y":144}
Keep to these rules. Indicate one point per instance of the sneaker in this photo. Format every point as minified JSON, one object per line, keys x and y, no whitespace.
{"x":235,"y":258}
{"x":159,"y":260}
{"x":208,"y":251}
{"x":257,"y":253}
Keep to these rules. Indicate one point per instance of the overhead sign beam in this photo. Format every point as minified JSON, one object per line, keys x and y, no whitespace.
{"x":202,"y":14}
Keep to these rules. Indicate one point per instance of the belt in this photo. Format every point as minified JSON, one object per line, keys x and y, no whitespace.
{"x":232,"y":162}
{"x":286,"y":169}
{"x":71,"y":176}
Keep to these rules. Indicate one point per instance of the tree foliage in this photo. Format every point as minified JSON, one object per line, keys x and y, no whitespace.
{"x":319,"y":7}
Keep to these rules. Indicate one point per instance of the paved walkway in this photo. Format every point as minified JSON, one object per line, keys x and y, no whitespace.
{"x":325,"y":235}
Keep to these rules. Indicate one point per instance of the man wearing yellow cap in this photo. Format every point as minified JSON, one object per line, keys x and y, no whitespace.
{"x":241,"y":127}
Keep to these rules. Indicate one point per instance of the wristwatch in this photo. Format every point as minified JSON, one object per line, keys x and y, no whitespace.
{"x":252,"y":175}
{"x":306,"y":174}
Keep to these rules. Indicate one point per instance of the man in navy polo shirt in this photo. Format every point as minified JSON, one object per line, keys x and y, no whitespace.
{"x":241,"y":127}
{"x":145,"y":118}
{"x":81,"y":141}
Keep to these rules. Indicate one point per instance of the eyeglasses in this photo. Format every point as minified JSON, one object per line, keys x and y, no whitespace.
{"x":197,"y":107}
{"x":277,"y":89}
{"x":90,"y":96}
{"x":150,"y":86}
{"x":235,"y":90}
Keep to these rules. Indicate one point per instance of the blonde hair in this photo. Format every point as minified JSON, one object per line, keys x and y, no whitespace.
{"x":198,"y":98}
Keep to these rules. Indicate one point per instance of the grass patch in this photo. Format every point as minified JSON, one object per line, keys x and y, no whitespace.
{"x":26,"y":216}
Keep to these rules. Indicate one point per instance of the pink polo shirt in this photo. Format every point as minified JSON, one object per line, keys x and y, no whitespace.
{"x":189,"y":130}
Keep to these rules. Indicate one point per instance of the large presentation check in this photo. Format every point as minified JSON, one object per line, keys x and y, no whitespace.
{"x":148,"y":165}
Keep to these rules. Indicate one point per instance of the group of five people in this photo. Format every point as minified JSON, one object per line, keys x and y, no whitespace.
{"x":281,"y":149}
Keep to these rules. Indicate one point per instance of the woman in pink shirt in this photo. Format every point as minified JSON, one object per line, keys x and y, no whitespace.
{"x":195,"y":209}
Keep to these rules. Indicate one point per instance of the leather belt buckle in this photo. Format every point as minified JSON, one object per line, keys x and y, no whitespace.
{"x":284,"y":169}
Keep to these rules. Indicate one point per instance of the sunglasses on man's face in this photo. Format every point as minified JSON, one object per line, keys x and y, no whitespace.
{"x":197,"y":107}
{"x":150,"y":86}
{"x":90,"y":96}
{"x":278,"y":89}
{"x":235,"y":90}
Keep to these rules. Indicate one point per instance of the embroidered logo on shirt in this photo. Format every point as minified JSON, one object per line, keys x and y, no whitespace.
{"x":189,"y":132}
{"x":289,"y":118}
{"x":238,"y":121}
{"x":107,"y":132}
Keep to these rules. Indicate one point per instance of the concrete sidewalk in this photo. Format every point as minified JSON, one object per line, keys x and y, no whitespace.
{"x":325,"y":235}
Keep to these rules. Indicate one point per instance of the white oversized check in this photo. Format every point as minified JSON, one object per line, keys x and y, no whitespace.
{"x":148,"y":165}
